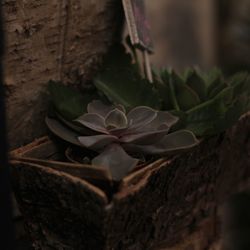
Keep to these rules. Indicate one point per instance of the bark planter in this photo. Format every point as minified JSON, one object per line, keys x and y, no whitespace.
{"x":163,"y":204}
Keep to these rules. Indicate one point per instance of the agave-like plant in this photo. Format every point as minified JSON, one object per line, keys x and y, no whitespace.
{"x":118,"y":136}
{"x":207,"y":103}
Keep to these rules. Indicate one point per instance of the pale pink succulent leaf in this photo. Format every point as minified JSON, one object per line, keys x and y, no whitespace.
{"x":62,"y":131}
{"x":175,"y":142}
{"x":162,"y":120}
{"x":120,"y":107}
{"x":75,"y":126}
{"x":116,"y":119}
{"x":116,"y":160}
{"x":96,"y":142}
{"x":145,"y":138}
{"x":140,"y":116}
{"x":93,"y":121}
{"x":118,"y":131}
{"x":98,"y":107}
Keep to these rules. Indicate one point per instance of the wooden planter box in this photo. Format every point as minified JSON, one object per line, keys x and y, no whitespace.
{"x":170,"y":204}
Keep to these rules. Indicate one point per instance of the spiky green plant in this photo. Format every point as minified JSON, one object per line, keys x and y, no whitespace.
{"x":207,"y":104}
{"x":118,"y":136}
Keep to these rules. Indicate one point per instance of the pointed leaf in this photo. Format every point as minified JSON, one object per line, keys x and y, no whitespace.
{"x":211,"y":76}
{"x":145,"y":138}
{"x":161,"y":84}
{"x":226,"y":95}
{"x":202,"y":119}
{"x":163,"y":118}
{"x":116,"y":160}
{"x":74,"y":125}
{"x":197,"y":84}
{"x":231,"y":116}
{"x":93,"y":121}
{"x":240,"y":83}
{"x":174,"y":142}
{"x":215,"y":82}
{"x":185,"y":96}
{"x":122,"y":84}
{"x":216,"y":89}
{"x":96,"y":142}
{"x":61,"y":131}
{"x":187,"y":74}
{"x":99,"y":108}
{"x":69,"y":102}
{"x":140,"y":116}
{"x":116,"y":119}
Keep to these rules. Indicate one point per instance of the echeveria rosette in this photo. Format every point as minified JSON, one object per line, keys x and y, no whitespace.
{"x":118,"y":136}
{"x":206,"y":103}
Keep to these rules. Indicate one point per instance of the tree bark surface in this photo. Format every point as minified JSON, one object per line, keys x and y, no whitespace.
{"x":50,"y":39}
{"x":168,"y":205}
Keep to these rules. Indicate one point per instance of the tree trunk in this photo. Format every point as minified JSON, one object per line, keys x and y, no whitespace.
{"x":51,"y":39}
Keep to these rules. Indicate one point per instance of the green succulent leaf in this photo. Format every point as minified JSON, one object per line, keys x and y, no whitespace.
{"x":67,"y":101}
{"x":240,"y":83}
{"x":219,"y":104}
{"x":73,"y":125}
{"x":122,"y":84}
{"x":205,"y":119}
{"x":186,"y":97}
{"x":197,"y":84}
{"x":211,"y":76}
{"x":187,"y":74}
{"x":215,"y":87}
{"x":161,"y":84}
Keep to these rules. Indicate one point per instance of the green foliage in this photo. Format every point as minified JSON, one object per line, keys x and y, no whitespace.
{"x":132,"y":123}
{"x":122,"y":84}
{"x":207,"y":104}
{"x":67,"y":101}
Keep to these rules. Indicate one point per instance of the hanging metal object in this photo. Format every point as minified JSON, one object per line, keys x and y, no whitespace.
{"x":139,"y":31}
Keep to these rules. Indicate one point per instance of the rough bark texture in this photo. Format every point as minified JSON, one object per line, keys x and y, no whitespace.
{"x":168,"y":205}
{"x":50,"y":39}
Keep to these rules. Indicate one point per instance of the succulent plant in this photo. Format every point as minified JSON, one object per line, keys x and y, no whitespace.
{"x":118,"y":136}
{"x":206,"y":104}
{"x":121,"y":82}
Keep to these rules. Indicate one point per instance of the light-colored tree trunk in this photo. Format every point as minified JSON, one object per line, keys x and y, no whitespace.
{"x":50,"y":39}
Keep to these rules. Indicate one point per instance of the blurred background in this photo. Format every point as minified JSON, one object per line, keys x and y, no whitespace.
{"x":207,"y":33}
{"x":201,"y":33}
{"x":186,"y":33}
